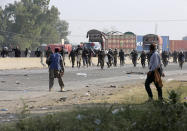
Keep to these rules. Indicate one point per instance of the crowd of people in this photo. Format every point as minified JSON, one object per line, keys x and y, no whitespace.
{"x":16,"y":52}
{"x":83,"y":56}
{"x":56,"y":63}
{"x":110,"y":57}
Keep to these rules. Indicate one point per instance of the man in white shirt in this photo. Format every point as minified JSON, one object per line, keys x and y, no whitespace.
{"x":154,"y":67}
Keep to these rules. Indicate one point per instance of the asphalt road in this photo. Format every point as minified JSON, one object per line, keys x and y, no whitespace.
{"x":36,"y":80}
{"x":32,"y":84}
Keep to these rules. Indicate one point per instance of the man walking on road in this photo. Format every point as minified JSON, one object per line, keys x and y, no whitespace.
{"x":115,"y":57}
{"x":154,"y":74}
{"x":122,"y":57}
{"x":72,"y":55}
{"x":56,"y":69}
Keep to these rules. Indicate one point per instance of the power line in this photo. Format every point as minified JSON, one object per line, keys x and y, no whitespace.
{"x":127,"y":20}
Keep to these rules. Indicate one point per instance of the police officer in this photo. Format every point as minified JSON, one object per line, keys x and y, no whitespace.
{"x":72,"y":56}
{"x":17,"y":52}
{"x":181,"y":59}
{"x":165,"y":57}
{"x":38,"y":52}
{"x":85,"y":56}
{"x":175,"y":54}
{"x":110,"y":57}
{"x":148,"y":56}
{"x":56,"y":69}
{"x":98,"y":57}
{"x":63,"y":53}
{"x":90,"y":53}
{"x":143,"y":58}
{"x":115,"y":56}
{"x":102,"y":58}
{"x":48,"y":52}
{"x":26,"y":52}
{"x":79,"y":55}
{"x":122,"y":57}
{"x":4,"y":52}
{"x":134,"y":56}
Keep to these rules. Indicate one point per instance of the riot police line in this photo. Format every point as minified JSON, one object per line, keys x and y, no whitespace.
{"x":83,"y":56}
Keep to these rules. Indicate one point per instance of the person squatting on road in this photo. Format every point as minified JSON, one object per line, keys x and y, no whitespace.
{"x":56,"y":69}
{"x":155,"y":73}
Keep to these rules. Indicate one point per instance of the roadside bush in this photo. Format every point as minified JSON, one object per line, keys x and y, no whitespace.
{"x":166,"y":115}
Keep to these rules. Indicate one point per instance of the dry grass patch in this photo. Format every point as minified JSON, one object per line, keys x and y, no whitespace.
{"x":136,"y":94}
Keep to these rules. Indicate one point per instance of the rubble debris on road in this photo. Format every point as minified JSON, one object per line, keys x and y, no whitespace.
{"x":17,"y":82}
{"x":138,"y":73}
{"x":3,"y":81}
{"x":63,"y":98}
{"x":3,"y":109}
{"x":87,"y":94}
{"x":113,"y":86}
{"x":44,"y":108}
{"x":82,"y":74}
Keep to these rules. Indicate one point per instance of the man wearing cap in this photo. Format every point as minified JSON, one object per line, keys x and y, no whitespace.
{"x":56,"y":69}
{"x":155,"y":73}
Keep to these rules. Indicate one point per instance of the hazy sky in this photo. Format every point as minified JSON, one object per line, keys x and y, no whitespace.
{"x":137,"y":16}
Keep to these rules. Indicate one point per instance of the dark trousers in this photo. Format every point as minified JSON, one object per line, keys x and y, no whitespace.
{"x":122,"y":61}
{"x":73,"y":61}
{"x":148,"y":81}
{"x":115,"y":61}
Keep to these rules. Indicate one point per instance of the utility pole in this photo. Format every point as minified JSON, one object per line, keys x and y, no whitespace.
{"x":156,"y":33}
{"x":156,"y":28}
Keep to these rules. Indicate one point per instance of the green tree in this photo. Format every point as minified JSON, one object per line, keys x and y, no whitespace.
{"x":29,"y":23}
